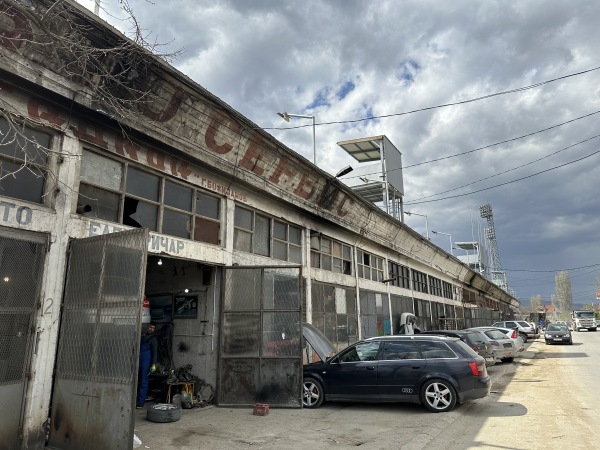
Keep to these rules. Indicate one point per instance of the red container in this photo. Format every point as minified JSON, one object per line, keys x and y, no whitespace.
{"x":261,"y":409}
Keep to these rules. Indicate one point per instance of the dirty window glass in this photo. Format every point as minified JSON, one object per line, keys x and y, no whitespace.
{"x":178,"y":196}
{"x":100,"y":171}
{"x":142,"y":184}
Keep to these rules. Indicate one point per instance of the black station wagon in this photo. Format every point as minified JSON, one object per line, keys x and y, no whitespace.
{"x":436,"y":371}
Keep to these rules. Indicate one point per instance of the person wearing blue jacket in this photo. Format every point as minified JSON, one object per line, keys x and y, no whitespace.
{"x":148,"y":355}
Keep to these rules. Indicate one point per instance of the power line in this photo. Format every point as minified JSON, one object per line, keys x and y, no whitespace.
{"x":550,"y":271}
{"x":510,"y":91}
{"x":512,"y":169}
{"x":504,"y":184}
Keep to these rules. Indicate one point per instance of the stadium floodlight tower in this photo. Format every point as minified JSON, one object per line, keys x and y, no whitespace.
{"x":497,"y":275}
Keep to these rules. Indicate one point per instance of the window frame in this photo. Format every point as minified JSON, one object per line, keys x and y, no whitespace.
{"x":122,"y":193}
{"x":46,"y":169}
{"x":400,"y":274}
{"x":371,"y":261}
{"x":272,"y":240}
{"x":419,"y":281}
{"x":321,"y":258}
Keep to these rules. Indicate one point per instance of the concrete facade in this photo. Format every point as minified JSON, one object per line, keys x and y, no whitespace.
{"x":188,"y":137}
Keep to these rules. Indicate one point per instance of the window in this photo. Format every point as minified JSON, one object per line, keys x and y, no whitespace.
{"x":435,"y":286}
{"x":287,"y":242}
{"x":400,"y":350}
{"x":446,"y":290}
{"x":329,"y":254}
{"x":436,"y":350}
{"x":400,"y":275}
{"x":419,"y":281}
{"x":365,"y":351}
{"x":135,"y":197}
{"x":370,"y":266}
{"x":253,"y":234}
{"x":23,"y":162}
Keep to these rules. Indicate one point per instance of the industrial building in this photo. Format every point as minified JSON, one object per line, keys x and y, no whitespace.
{"x":234,"y":239}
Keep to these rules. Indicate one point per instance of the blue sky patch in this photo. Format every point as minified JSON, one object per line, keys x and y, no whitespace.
{"x":346,"y":88}
{"x":408,"y":70}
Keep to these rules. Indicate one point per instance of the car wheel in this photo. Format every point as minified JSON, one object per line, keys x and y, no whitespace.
{"x":164,"y":413}
{"x":438,"y":396}
{"x":312,"y":393}
{"x":524,"y":337}
{"x":508,"y":360}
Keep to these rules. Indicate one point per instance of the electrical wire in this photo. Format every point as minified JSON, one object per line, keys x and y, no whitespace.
{"x":506,"y":183}
{"x":444,"y":105}
{"x":510,"y":170}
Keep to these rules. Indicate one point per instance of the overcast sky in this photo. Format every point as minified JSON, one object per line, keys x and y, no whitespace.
{"x":346,"y":61}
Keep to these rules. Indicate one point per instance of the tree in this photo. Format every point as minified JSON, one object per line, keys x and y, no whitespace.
{"x":113,"y":73}
{"x":535,"y":302}
{"x":564,"y":294}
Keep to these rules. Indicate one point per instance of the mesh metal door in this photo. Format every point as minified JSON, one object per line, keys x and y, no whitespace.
{"x":97,"y":359}
{"x":261,"y":339}
{"x":21,"y":270}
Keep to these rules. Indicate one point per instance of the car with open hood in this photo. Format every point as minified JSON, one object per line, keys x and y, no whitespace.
{"x":435,"y":371}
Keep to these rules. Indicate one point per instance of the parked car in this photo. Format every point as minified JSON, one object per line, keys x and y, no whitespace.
{"x":558,"y":333}
{"x":513,"y":334}
{"x":526,"y":330}
{"x":435,"y":371}
{"x":473,"y":339}
{"x":504,"y":347}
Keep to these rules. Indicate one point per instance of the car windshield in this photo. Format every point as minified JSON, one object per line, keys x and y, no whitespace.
{"x":585,"y":315}
{"x":556,"y":327}
{"x":524,"y":324}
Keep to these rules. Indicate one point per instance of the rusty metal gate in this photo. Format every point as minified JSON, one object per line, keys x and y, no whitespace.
{"x":260,"y":357}
{"x":22,"y":257}
{"x":96,"y":367}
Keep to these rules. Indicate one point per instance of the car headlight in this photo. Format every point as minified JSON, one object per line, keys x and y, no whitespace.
{"x":548,"y":335}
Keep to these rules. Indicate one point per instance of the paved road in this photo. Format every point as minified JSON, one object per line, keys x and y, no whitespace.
{"x":545,"y":400}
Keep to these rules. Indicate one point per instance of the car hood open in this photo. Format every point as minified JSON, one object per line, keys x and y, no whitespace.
{"x":318,"y":341}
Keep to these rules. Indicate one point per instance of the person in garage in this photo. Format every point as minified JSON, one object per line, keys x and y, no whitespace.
{"x":148,"y":355}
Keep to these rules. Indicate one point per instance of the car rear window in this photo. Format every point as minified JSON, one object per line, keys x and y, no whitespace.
{"x":495,"y":334}
{"x":524,"y":324}
{"x":476,"y":337}
{"x":472,"y":353}
{"x":435,"y":350}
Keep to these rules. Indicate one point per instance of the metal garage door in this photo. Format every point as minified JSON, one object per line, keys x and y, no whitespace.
{"x":22,"y":258}
{"x":97,"y":358}
{"x":261,"y":339}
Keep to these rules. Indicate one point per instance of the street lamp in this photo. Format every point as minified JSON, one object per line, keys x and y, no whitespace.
{"x":445,"y":234}
{"x":285,"y":116}
{"x":422,"y":215}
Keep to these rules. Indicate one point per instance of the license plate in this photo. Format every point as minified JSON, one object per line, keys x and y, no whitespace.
{"x":557,"y":339}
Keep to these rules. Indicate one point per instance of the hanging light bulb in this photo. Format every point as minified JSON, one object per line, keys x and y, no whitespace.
{"x":160,"y":261}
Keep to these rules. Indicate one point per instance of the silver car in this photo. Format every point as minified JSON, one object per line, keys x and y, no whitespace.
{"x":514,"y":335}
{"x":525,"y":330}
{"x":505,"y":349}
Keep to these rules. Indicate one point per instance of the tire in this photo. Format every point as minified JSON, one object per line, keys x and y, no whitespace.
{"x":524,"y":337}
{"x":164,"y":413}
{"x":312,"y":393}
{"x":508,"y":360}
{"x":438,"y":396}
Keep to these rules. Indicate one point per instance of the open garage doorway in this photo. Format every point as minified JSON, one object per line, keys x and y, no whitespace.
{"x":182,"y":299}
